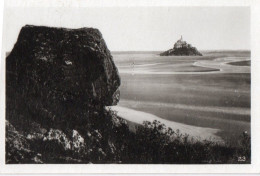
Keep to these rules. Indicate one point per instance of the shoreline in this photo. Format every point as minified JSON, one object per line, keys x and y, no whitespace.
{"x":197,"y":133}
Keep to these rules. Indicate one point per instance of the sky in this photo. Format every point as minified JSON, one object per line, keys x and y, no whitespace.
{"x":143,"y":28}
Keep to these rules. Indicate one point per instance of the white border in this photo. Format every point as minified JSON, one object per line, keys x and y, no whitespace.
{"x":124,"y":3}
{"x":152,"y":168}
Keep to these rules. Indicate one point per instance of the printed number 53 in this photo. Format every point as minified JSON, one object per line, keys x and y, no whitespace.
{"x":241,"y":158}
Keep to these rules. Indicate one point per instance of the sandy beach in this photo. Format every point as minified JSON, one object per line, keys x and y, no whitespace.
{"x":197,"y":133}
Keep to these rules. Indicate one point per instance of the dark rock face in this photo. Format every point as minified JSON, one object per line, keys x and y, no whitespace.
{"x":182,"y":48}
{"x":18,"y":148}
{"x":58,"y":82}
{"x":66,"y":63}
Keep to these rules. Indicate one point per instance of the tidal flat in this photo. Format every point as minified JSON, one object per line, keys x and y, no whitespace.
{"x":201,"y":91}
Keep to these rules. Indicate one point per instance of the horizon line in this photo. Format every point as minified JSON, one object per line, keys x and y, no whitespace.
{"x":164,"y":50}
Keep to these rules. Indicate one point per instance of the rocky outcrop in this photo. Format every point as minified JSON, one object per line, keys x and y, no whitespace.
{"x":18,"y":148}
{"x":182,"y":48}
{"x":68,"y":63}
{"x":58,"y":82}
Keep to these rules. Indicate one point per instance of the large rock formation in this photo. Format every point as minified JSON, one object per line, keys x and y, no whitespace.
{"x":70,"y":63}
{"x":58,"y":82}
{"x":182,"y":48}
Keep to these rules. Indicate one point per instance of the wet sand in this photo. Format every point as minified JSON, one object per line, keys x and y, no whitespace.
{"x":204,"y":92}
{"x":197,"y":133}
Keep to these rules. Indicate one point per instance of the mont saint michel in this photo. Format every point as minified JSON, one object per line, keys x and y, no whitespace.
{"x":182,"y":48}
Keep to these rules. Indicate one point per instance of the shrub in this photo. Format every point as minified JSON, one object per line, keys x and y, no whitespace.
{"x":103,"y":137}
{"x":154,"y":143}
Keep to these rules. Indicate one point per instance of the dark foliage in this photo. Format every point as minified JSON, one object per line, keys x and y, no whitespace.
{"x":107,"y":139}
{"x":154,"y":143}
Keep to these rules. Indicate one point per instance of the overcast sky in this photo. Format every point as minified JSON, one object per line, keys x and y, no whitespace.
{"x":143,"y":28}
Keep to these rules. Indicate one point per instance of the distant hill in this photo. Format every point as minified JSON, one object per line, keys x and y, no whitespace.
{"x":182,"y":48}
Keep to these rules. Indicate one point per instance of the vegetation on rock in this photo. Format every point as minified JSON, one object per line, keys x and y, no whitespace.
{"x":107,"y":139}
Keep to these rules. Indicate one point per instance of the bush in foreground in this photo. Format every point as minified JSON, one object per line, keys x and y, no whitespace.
{"x":153,"y":142}
{"x":103,"y":137}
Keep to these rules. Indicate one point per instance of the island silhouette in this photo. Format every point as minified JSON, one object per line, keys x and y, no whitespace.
{"x":182,"y":48}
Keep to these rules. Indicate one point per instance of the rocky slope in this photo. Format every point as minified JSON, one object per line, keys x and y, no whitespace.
{"x":58,"y":82}
{"x":182,"y":48}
